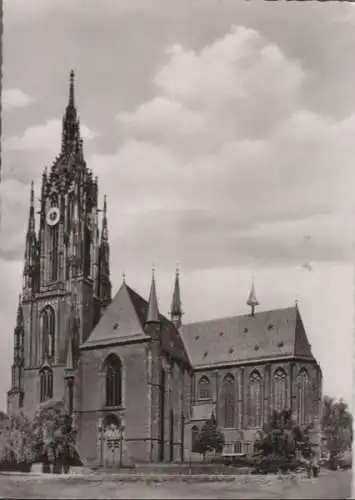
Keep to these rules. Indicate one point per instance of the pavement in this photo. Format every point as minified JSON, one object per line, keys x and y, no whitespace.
{"x":331,"y":484}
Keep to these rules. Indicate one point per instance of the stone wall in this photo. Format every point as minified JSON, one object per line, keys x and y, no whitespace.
{"x":133,"y":412}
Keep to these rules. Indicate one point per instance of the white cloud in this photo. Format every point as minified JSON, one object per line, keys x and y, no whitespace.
{"x":240,"y":68}
{"x":15,"y":98}
{"x":195,"y":150}
{"x":162,"y":115}
{"x":45,"y":137}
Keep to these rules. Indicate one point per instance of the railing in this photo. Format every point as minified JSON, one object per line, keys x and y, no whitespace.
{"x":238,"y":447}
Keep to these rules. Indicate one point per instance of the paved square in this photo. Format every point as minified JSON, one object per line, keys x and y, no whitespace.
{"x":335,"y":485}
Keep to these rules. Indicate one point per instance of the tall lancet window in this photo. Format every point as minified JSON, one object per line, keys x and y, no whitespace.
{"x":302,"y":384}
{"x":279,"y":390}
{"x":46,"y":383}
{"x":113,"y":376}
{"x":229,"y":410}
{"x":255,"y":399}
{"x":204,"y":388}
{"x":47,"y":326}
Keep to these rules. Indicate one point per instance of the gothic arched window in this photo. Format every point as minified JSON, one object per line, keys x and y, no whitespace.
{"x":255,"y":400}
{"x":204,"y":388}
{"x":113,"y":380}
{"x":47,"y":325}
{"x":228,"y":392}
{"x":279,"y":390}
{"x":302,"y":383}
{"x":194,"y":437}
{"x":46,"y":383}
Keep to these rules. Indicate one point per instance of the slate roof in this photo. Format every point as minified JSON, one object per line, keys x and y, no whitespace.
{"x":269,"y":334}
{"x":124,"y":320}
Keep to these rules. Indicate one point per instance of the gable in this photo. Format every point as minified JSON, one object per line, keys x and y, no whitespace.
{"x":120,"y":322}
{"x":302,"y":345}
{"x":124,"y":321}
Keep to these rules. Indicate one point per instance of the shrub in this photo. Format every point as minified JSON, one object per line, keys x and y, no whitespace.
{"x":273,"y":464}
{"x":209,"y":438}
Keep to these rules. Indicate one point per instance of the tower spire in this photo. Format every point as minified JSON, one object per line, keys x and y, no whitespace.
{"x":71,"y":101}
{"x":153,"y":310}
{"x":29,"y":277}
{"x":176,"y":310}
{"x":104,"y":262}
{"x":70,"y":132}
{"x":31,"y":216}
{"x":252,"y":301}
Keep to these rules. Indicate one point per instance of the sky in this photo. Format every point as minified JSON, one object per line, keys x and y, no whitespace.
{"x":223,"y":134}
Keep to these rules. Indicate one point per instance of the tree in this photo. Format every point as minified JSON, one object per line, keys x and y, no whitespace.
{"x":336,"y":426}
{"x":209,"y":438}
{"x":17,"y":438}
{"x":282,"y":444}
{"x":279,"y":437}
{"x":54,"y":437}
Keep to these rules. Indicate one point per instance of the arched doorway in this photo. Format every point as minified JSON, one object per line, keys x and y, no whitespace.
{"x":111,"y":441}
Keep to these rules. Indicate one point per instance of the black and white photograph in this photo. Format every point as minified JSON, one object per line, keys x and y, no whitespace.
{"x":177,"y":242}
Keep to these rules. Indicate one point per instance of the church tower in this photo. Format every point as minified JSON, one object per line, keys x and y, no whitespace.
{"x":66,"y":268}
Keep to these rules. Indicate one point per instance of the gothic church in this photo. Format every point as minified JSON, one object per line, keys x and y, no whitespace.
{"x":138,"y":384}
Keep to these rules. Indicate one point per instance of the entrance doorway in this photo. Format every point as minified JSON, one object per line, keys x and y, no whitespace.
{"x":111,"y":442}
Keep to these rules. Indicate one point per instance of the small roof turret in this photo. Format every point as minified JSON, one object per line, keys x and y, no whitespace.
{"x":252,"y":301}
{"x":153,"y":309}
{"x":176,"y":310}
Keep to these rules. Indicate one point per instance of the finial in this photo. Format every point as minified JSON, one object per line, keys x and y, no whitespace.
{"x":32,"y":192}
{"x":123,"y":277}
{"x":176,"y":310}
{"x":252,"y":300}
{"x":105,"y":203}
{"x":71,"y":89}
{"x":31,"y":216}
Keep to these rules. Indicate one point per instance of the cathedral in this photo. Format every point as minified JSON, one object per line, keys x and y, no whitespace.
{"x":138,"y":384}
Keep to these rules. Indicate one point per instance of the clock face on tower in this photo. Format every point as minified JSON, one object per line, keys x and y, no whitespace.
{"x":53,"y":215}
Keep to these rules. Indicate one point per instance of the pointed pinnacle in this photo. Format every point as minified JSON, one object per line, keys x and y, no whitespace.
{"x":104,"y":232}
{"x":176,"y":302}
{"x":71,"y":89}
{"x":153,"y":310}
{"x":31,"y":216}
{"x":19,"y":320}
{"x":252,"y":300}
